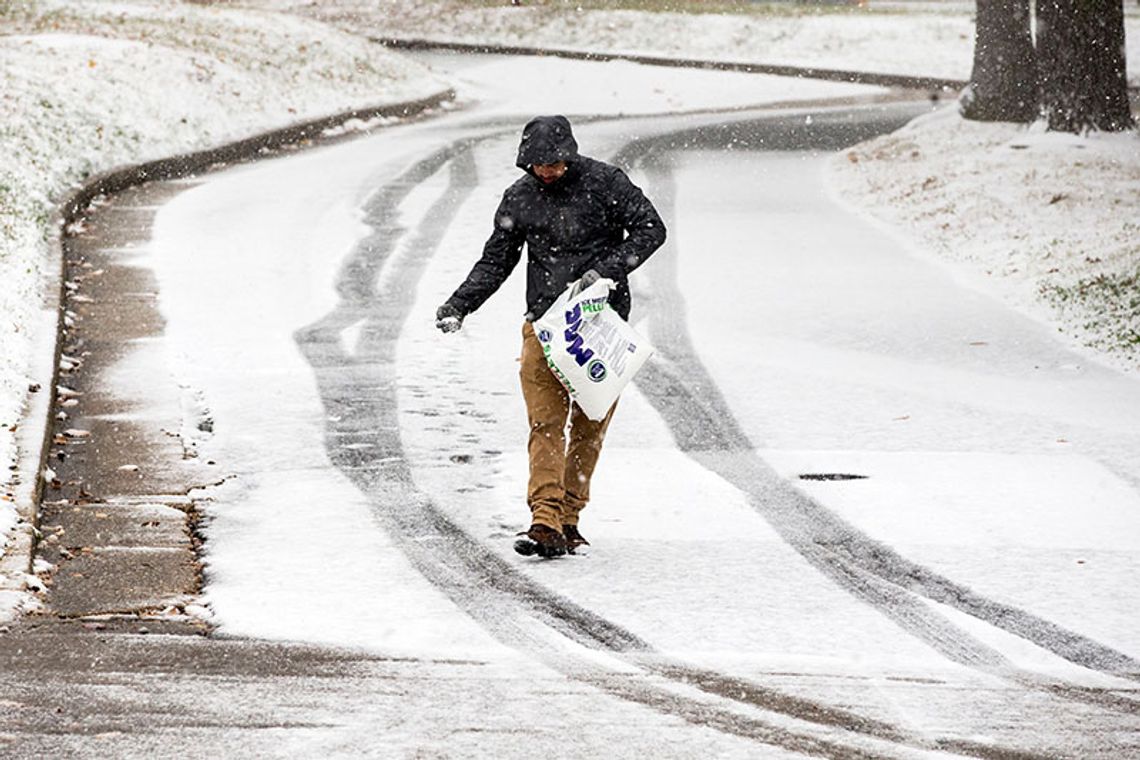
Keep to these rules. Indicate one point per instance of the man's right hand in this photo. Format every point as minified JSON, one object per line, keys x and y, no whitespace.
{"x":586,"y":280}
{"x":448,"y":318}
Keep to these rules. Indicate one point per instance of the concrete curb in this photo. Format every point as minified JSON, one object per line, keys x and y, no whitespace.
{"x":240,"y":151}
{"x":34,"y":437}
{"x":834,"y":75}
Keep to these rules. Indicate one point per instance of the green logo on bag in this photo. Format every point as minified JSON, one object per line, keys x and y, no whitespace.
{"x":596,"y":370}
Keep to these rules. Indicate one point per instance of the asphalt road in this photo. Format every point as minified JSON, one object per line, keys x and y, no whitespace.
{"x":565,"y":670}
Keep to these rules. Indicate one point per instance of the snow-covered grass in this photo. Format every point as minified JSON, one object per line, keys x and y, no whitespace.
{"x":1049,"y":221}
{"x":920,"y":44}
{"x":933,"y":39}
{"x":88,"y":86}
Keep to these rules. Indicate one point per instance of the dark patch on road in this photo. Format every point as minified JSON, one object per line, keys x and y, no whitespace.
{"x":117,"y":526}
{"x":71,"y":689}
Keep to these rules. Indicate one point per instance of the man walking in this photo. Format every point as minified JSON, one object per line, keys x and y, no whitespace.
{"x":580,"y":219}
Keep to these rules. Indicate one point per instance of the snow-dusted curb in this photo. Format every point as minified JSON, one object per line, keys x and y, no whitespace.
{"x":925,"y":41}
{"x":16,"y":569}
{"x":316,"y":131}
{"x":833,"y":75}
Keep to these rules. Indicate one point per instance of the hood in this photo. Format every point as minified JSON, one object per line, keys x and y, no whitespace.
{"x":546,"y":140}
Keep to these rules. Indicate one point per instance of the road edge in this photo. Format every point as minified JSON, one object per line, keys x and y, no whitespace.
{"x":34,"y":436}
{"x":833,"y":75}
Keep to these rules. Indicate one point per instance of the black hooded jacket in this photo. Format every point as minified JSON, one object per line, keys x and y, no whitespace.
{"x":592,"y":217}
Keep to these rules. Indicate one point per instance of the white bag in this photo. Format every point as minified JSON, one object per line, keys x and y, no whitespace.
{"x":590,"y":349}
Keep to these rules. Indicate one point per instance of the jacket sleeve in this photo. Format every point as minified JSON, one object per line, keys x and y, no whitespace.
{"x":501,"y":253}
{"x":645,"y":232}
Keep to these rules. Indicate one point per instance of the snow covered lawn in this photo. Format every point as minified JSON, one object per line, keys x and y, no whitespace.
{"x":88,"y":86}
{"x":1048,"y":221}
{"x":926,"y":39}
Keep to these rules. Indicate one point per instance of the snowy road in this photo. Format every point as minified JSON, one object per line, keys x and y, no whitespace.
{"x":971,"y":592}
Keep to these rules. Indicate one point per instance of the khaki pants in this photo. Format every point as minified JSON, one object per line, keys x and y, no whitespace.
{"x":560,"y":469}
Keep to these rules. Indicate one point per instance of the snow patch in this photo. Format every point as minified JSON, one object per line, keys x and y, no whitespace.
{"x":1045,"y":221}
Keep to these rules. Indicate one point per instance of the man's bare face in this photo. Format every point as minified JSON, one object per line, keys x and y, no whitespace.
{"x":549,"y":172}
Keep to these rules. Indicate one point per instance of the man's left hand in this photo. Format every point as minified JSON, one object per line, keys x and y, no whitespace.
{"x":448,"y":318}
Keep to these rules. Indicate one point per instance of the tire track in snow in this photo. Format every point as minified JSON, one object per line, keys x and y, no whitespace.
{"x":705,"y":428}
{"x":359,"y":393}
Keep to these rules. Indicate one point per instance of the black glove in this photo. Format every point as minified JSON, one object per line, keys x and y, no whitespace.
{"x":448,"y":318}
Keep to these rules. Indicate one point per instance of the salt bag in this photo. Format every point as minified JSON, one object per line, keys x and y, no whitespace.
{"x":590,"y":349}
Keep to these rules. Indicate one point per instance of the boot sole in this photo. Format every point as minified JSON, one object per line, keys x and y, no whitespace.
{"x":529,"y":548}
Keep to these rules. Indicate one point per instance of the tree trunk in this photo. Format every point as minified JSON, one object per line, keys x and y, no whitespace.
{"x":1003,"y":85}
{"x":1080,"y":57}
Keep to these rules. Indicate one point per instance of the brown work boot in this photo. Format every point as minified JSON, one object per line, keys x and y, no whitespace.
{"x":541,"y":540}
{"x":574,"y":539}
